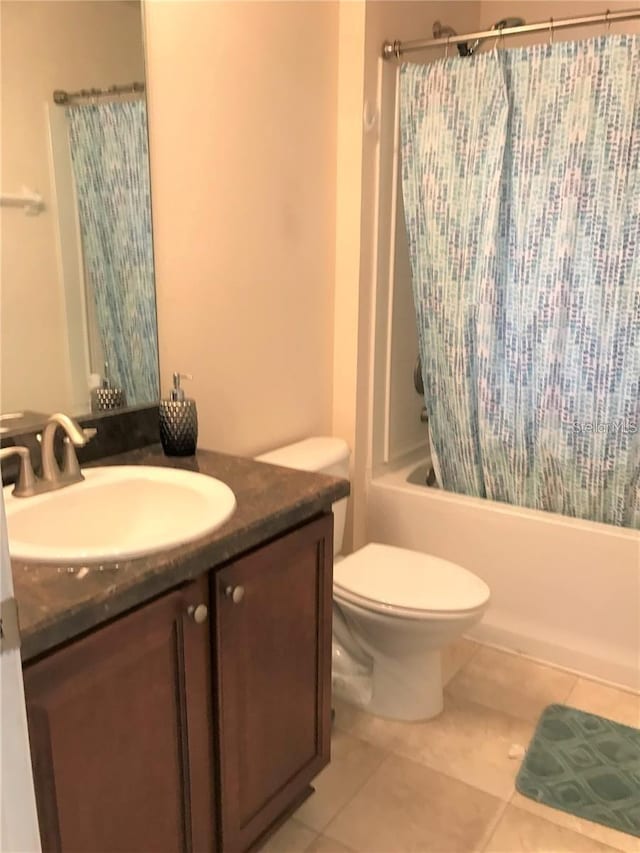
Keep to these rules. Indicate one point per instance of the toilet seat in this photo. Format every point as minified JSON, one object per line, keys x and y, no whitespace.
{"x":404,"y":583}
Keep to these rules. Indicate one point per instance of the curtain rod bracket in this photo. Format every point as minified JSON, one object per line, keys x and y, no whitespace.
{"x":391,"y":50}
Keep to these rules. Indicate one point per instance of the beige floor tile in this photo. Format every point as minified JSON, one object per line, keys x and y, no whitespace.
{"x":615,"y":839}
{"x":618,"y":705}
{"x":470,"y":742}
{"x":511,"y":683}
{"x":292,"y":837}
{"x":521,"y":832}
{"x":352,"y":762}
{"x":408,"y":807}
{"x":455,"y":656}
{"x":374,"y":730}
{"x":324,"y":844}
{"x":488,"y":833}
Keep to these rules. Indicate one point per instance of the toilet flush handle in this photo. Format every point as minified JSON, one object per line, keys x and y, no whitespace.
{"x":235,"y":593}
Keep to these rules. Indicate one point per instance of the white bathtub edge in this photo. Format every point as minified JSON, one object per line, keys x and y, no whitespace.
{"x":564,"y":591}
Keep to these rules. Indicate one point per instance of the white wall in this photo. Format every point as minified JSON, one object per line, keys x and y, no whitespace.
{"x":346,"y":367}
{"x":263,"y":191}
{"x":242,"y":114}
{"x":541,"y":10}
{"x":45,"y":46}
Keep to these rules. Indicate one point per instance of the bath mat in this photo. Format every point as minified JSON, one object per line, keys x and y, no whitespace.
{"x":585,"y":765}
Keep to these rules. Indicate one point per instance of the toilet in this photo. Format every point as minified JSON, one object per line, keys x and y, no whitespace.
{"x":394,"y":609}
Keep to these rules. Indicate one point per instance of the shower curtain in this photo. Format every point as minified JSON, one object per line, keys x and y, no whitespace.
{"x":521,"y":187}
{"x":109,"y":153}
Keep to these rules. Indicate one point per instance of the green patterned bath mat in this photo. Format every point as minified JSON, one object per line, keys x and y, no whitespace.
{"x":585,"y":765}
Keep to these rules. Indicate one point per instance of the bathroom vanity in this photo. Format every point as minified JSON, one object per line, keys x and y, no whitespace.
{"x":181,"y":701}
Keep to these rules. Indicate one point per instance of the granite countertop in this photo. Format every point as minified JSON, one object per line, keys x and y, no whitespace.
{"x":57,"y":603}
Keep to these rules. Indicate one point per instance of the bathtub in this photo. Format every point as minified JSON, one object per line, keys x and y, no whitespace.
{"x":563,"y":590}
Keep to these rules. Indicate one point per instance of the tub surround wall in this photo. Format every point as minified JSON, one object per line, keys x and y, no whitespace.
{"x":563,"y":590}
{"x":365,"y":148}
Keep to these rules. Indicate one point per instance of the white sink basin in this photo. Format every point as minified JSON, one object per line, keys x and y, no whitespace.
{"x":118,"y":512}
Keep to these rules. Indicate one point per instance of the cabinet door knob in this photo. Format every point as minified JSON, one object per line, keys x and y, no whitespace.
{"x":235,"y":593}
{"x":198,"y":613}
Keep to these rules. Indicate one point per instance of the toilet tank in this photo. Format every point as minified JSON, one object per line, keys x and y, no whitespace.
{"x":326,"y":456}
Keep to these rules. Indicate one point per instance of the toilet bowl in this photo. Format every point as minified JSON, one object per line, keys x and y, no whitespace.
{"x":394,"y":609}
{"x":401,"y":608}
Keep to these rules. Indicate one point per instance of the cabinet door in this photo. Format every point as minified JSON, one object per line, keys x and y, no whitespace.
{"x":273,"y":649}
{"x":120,"y":730}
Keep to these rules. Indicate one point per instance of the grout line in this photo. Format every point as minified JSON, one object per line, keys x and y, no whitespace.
{"x":385,"y":758}
{"x":571,"y":689}
{"x":474,"y":653}
{"x":385,"y":754}
{"x":477,"y":648}
{"x":355,"y":733}
{"x":491,"y":828}
{"x":449,"y":775}
{"x":313,"y":840}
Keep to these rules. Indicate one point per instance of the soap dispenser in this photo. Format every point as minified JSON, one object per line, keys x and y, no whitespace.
{"x":104,"y":396}
{"x":178,"y":421}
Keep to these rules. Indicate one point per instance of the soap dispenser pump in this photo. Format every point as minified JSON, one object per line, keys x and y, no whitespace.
{"x":178,"y":421}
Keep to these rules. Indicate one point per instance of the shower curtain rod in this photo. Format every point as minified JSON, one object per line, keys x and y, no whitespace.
{"x":63,"y":98}
{"x":395,"y":49}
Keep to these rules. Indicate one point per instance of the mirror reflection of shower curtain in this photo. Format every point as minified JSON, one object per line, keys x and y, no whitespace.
{"x":109,"y":154}
{"x":521,"y":181}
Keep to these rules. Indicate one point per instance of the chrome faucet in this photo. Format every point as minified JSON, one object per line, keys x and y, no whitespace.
{"x":53,"y":477}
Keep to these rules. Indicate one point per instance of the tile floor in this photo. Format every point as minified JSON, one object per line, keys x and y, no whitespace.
{"x":448,"y":784}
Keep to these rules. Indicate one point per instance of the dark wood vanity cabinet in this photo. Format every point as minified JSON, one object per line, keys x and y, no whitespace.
{"x":120,"y":723}
{"x":176,"y":729}
{"x":273,"y":665}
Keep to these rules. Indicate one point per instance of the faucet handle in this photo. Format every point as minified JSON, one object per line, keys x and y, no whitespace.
{"x":89,"y":433}
{"x":70,"y":464}
{"x":26,"y":483}
{"x":80,"y":436}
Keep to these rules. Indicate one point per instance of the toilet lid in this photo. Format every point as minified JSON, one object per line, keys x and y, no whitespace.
{"x":397,"y":577}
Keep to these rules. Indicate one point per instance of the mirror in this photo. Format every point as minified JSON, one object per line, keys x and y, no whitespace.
{"x":77,"y":277}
